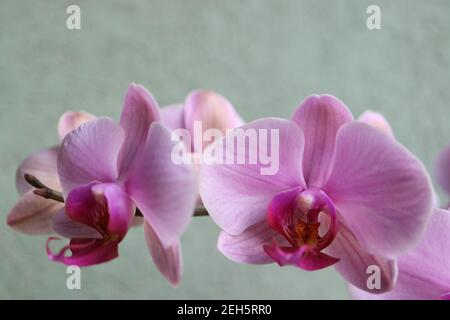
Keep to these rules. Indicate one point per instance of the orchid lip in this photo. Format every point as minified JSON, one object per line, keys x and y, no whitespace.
{"x":297,"y":215}
{"x":445,"y":296}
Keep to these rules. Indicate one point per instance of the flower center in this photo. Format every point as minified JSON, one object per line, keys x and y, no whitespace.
{"x":100,"y":218}
{"x":312,"y":210}
{"x":307,"y":221}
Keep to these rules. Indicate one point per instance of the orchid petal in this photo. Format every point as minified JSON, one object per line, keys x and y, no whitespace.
{"x":423,"y":272}
{"x":173,"y":116}
{"x":90,"y":153}
{"x":140,"y":110}
{"x":247,"y":247}
{"x":32,"y":214}
{"x":95,"y":204}
{"x":42,"y":165}
{"x":381,"y":189}
{"x":213,"y":110}
{"x":378,"y":121}
{"x":166,"y":258}
{"x":71,"y":120}
{"x":165,"y":192}
{"x":238,"y":195}
{"x":320,"y":118}
{"x":355,"y":263}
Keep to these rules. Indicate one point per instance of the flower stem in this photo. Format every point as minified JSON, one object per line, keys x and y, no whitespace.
{"x":43,"y":191}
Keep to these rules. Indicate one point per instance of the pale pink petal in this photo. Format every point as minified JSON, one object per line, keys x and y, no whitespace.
{"x":320,"y":118}
{"x":238,"y":195}
{"x":42,"y":165}
{"x":442,"y":170}
{"x":381,"y":189}
{"x":32,"y":214}
{"x":213,"y":110}
{"x":90,"y":153}
{"x":173,"y":116}
{"x":140,"y":110}
{"x":68,"y":228}
{"x":424,"y":271}
{"x":355,"y":264}
{"x":247,"y":247}
{"x":166,"y":258}
{"x":377,"y":121}
{"x":71,"y":120}
{"x":165,"y":192}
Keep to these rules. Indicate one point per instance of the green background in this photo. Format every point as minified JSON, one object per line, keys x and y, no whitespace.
{"x":265,"y":56}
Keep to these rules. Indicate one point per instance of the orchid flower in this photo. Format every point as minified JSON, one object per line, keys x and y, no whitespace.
{"x":107,"y":170}
{"x":345,"y":194}
{"x":205,"y":108}
{"x":209,"y":109}
{"x":32,"y":214}
{"x":424,"y":272}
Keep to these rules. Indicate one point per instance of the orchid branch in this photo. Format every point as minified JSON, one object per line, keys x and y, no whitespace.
{"x":43,"y":191}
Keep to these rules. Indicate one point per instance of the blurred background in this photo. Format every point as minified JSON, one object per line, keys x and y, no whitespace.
{"x":264,"y":56}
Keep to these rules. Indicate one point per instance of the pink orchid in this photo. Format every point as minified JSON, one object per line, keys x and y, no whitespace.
{"x":207,"y":108}
{"x":345,"y":194}
{"x":211,"y":109}
{"x":423,"y":272}
{"x":106,"y":170}
{"x":32,"y":214}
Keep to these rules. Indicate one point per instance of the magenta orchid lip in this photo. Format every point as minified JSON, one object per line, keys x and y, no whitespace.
{"x":345,"y":193}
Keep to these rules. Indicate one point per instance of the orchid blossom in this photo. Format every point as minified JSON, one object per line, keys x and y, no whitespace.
{"x":32,"y":214}
{"x":423,"y":272}
{"x":107,"y":170}
{"x":345,"y":194}
{"x":209,"y":109}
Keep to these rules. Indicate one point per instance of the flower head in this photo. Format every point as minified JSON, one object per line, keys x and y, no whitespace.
{"x":345,"y":194}
{"x":107,"y":170}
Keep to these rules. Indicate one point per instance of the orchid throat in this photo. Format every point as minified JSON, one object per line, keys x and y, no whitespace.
{"x":307,"y":221}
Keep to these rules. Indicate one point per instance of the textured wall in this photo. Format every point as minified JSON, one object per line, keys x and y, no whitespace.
{"x":264,"y":55}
